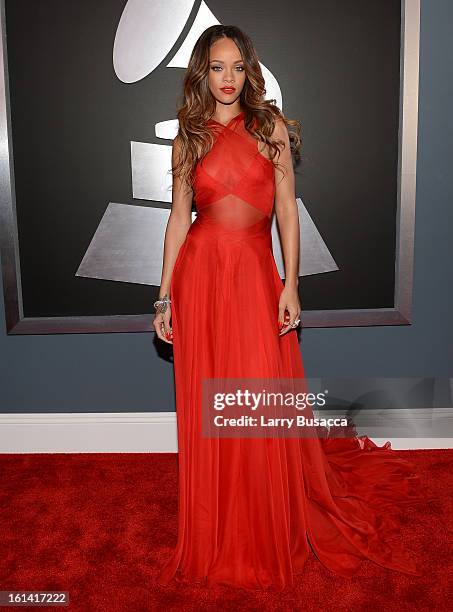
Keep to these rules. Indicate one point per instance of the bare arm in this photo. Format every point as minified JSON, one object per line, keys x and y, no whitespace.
{"x":288,"y":223}
{"x":178,"y":225}
{"x":286,"y":208}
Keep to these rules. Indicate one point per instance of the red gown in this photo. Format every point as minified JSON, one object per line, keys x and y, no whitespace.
{"x":250,"y":510}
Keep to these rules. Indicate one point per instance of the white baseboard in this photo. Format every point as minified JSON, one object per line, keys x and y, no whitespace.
{"x":156,"y":432}
{"x":89,"y":432}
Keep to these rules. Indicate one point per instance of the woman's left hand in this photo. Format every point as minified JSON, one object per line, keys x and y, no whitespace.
{"x":289,"y":307}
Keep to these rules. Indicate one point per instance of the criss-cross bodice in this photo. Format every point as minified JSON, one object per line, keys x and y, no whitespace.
{"x":234,"y":185}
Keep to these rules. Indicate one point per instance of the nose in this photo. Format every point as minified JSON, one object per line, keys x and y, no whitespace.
{"x":228,"y":78}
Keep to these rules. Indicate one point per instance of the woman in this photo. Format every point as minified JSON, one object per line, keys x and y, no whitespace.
{"x":251,"y":509}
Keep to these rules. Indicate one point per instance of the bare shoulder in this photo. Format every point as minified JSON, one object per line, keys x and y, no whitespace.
{"x":280,"y":131}
{"x":177,"y":150}
{"x":176,"y":145}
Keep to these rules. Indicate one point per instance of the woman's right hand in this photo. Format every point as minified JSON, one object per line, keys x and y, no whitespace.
{"x":164,"y":331}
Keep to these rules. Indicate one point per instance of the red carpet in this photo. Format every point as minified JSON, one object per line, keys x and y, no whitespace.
{"x":101,"y":525}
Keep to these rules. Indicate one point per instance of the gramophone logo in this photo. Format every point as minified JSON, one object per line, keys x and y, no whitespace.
{"x":128,"y":243}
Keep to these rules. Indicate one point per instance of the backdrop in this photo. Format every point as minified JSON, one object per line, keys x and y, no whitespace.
{"x":83,"y":138}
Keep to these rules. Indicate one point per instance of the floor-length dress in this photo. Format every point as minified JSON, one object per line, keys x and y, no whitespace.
{"x":250,"y":510}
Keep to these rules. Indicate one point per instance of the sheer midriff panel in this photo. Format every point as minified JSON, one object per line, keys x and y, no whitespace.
{"x":231,"y":213}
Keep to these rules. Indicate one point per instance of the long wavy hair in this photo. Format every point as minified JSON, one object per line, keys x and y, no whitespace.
{"x":198,"y":104}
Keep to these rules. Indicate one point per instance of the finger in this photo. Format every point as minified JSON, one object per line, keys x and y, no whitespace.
{"x":284,"y":330}
{"x":281,"y":315}
{"x":283,"y":320}
{"x":168,"y":328}
{"x":169,"y":335}
{"x":165,"y":332}
{"x":158,"y":330}
{"x":296,"y":321}
{"x":288,"y":323}
{"x":159,"y":326}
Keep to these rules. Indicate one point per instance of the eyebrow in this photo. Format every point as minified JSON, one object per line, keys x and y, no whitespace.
{"x":220,"y":61}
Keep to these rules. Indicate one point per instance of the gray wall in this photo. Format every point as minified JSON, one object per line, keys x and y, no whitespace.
{"x":122,"y":372}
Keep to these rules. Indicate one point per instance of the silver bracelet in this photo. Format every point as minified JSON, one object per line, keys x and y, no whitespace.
{"x":161,"y":305}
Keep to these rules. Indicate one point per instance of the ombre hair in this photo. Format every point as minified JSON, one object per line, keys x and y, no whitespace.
{"x":198,"y":104}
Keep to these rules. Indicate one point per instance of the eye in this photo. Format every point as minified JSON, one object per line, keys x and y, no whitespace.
{"x":240,"y":68}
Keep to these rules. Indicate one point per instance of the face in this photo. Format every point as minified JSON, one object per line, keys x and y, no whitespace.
{"x":226,"y":69}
